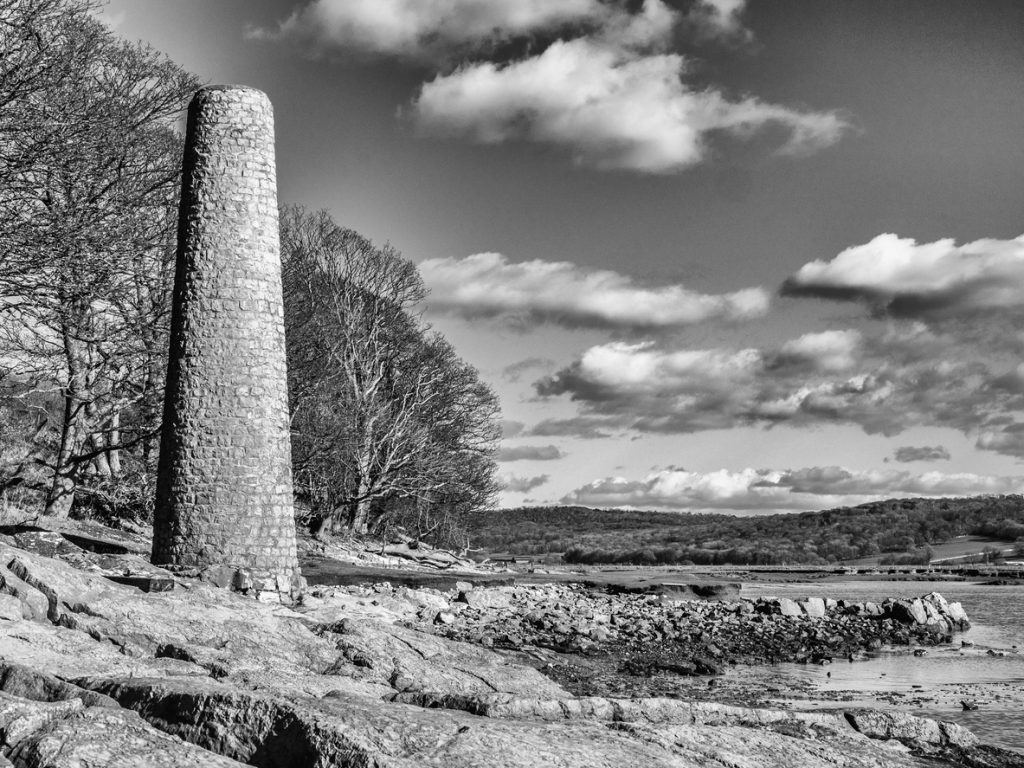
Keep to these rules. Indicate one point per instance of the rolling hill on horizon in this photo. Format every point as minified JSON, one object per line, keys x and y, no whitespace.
{"x":901,"y":530}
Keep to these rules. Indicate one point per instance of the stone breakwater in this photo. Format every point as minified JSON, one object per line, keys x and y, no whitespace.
{"x":651,"y":634}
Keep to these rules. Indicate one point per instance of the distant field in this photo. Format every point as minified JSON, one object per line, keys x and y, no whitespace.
{"x":960,"y":548}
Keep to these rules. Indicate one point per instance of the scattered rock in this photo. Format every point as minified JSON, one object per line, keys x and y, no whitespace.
{"x":695,"y":637}
{"x":788,"y":607}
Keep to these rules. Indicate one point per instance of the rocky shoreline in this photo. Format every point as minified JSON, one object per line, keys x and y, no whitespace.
{"x":702,"y":635}
{"x":94,"y":670}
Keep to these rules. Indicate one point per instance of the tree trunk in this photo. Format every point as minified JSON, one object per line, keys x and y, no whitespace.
{"x":100,"y":465}
{"x":113,"y":445}
{"x":61,"y":494}
{"x":358,"y":516}
{"x":74,"y":429}
{"x":323,"y":527}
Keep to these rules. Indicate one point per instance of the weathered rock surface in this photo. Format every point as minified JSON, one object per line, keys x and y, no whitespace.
{"x":103,"y":674}
{"x":68,"y":734}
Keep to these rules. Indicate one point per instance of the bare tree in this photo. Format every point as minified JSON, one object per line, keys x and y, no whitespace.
{"x":381,"y":410}
{"x":43,"y":43}
{"x":87,"y":206}
{"x":464,"y":432}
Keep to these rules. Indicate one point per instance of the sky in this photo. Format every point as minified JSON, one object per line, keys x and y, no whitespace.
{"x":738,"y":256}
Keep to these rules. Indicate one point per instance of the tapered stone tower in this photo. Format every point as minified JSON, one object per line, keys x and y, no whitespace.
{"x":224,"y":485}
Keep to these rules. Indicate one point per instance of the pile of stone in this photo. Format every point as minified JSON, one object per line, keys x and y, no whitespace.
{"x":692,"y":637}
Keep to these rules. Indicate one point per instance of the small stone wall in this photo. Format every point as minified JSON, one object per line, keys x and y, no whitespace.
{"x":224,"y":489}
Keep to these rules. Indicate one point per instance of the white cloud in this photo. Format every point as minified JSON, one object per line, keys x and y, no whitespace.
{"x":879,"y":383}
{"x":831,"y":351}
{"x":608,"y":89}
{"x":428,"y":28}
{"x":624,"y":369}
{"x":904,"y":277}
{"x":441,"y":28}
{"x":559,"y":292}
{"x":780,"y":490}
{"x":648,"y":29}
{"x":610,"y":106}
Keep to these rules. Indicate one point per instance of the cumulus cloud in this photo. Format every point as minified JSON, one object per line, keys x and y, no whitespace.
{"x":440,"y":29}
{"x":610,"y":106}
{"x":642,"y":387}
{"x":523,"y":484}
{"x":488,"y":285}
{"x":908,"y":453}
{"x":600,"y":79}
{"x":823,"y":378}
{"x":529,"y":453}
{"x":780,"y":490}
{"x":621,"y":369}
{"x":904,"y":278}
{"x":435,"y":29}
{"x":829,"y":351}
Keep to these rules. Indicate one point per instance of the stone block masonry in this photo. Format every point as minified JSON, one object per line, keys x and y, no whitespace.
{"x":224,"y":485}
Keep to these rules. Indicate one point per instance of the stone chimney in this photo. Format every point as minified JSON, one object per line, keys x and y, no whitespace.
{"x":224,"y":484}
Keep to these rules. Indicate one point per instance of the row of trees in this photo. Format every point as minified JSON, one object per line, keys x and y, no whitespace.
{"x":903,"y":528}
{"x":387,"y":421}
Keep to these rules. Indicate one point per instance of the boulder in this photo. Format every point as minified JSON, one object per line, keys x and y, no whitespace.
{"x":813,"y":607}
{"x":787,"y":607}
{"x":958,"y":616}
{"x":908,"y":611}
{"x":872,"y":609}
{"x":485,"y":599}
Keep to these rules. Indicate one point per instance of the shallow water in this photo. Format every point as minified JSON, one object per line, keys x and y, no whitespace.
{"x":934,"y":684}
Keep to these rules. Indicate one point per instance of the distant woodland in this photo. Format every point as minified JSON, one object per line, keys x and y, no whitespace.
{"x":900,"y":530}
